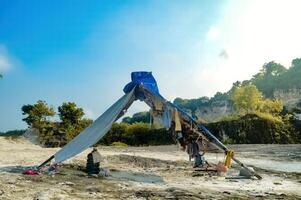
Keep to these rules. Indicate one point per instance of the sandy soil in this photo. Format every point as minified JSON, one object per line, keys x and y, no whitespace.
{"x":162,"y":172}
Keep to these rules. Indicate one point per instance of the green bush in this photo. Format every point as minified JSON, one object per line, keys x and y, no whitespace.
{"x":119,"y":144}
{"x":256,"y":129}
{"x":13,"y":133}
{"x":137,"y":134}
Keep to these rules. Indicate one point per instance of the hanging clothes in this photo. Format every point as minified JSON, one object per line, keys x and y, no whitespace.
{"x":178,"y":127}
{"x":157,"y":103}
{"x":193,"y":150}
{"x":166,"y":118}
{"x":157,"y":119}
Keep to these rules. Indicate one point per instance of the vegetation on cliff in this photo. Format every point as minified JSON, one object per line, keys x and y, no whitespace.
{"x":257,"y":120}
{"x":272,"y":77}
{"x":256,"y":129}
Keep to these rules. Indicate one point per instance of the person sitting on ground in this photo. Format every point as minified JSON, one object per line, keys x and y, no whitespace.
{"x":93,"y":162}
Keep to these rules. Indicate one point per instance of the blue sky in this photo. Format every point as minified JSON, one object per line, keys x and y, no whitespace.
{"x":84,"y":51}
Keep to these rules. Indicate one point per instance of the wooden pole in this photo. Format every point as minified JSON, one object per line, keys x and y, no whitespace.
{"x":46,"y":161}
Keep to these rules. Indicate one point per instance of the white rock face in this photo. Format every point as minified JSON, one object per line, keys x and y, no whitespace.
{"x":290,"y":97}
{"x":297,"y":116}
{"x":215,"y":111}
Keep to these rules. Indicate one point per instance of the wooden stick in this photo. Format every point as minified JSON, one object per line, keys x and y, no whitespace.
{"x":46,"y":161}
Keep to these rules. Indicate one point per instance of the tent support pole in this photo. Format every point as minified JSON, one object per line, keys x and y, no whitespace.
{"x":46,"y":161}
{"x":245,"y":167}
{"x":225,"y":149}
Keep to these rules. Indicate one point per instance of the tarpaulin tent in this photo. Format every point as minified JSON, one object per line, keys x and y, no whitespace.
{"x":143,"y":87}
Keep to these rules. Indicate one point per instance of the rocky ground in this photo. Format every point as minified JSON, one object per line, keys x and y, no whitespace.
{"x":162,"y":172}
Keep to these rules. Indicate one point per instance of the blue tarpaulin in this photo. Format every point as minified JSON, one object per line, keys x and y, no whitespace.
{"x":142,"y":78}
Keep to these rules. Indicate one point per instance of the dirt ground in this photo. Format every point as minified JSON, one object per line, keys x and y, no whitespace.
{"x":161,"y":172}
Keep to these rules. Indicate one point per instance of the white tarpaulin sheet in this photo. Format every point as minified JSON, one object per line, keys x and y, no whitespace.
{"x":95,"y":131}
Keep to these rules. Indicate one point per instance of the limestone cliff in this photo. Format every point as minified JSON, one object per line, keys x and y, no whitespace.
{"x":218,"y":109}
{"x":291,"y":98}
{"x":214,"y":111}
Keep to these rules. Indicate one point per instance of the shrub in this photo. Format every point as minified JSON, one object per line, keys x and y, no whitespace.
{"x":137,"y":134}
{"x":256,"y":129}
{"x":119,"y":144}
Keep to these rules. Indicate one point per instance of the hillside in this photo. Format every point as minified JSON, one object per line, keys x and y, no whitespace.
{"x":273,"y":80}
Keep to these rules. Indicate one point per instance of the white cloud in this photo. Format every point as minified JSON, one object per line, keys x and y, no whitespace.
{"x":137,"y":106}
{"x":90,"y":114}
{"x":5,"y":61}
{"x":254,"y":32}
{"x":213,"y":33}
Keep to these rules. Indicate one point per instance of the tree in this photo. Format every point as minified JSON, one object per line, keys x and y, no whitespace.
{"x":192,"y":104}
{"x":137,"y":117}
{"x":268,"y":78}
{"x":273,"y":69}
{"x":246,"y":98}
{"x":219,"y":97}
{"x":37,"y":114}
{"x":235,"y":85}
{"x":70,"y":113}
{"x":296,"y":63}
{"x":271,"y":106}
{"x":38,"y":117}
{"x":116,"y":134}
{"x":292,"y":78}
{"x":1,"y":76}
{"x":136,"y":133}
{"x":13,"y":133}
{"x":72,"y":121}
{"x":249,"y":99}
{"x":127,"y":120}
{"x":52,"y":133}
